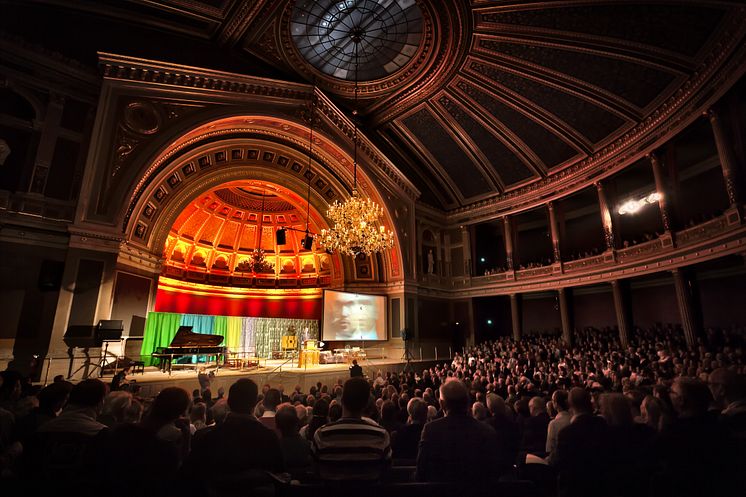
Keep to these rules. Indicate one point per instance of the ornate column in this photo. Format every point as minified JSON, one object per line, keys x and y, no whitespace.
{"x":466,"y":244}
{"x":620,"y":307}
{"x":554,"y":233}
{"x":663,"y":191}
{"x":565,"y":317}
{"x":517,"y":317}
{"x":508,"y":238}
{"x":727,"y":160}
{"x":684,"y":300}
{"x":47,"y":142}
{"x":606,"y":222}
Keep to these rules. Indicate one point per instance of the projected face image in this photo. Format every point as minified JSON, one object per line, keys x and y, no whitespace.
{"x":355,"y":317}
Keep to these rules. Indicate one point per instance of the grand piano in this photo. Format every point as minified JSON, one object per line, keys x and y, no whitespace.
{"x":186,"y":343}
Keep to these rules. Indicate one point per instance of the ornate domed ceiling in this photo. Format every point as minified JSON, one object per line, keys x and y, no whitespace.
{"x":215,"y":239}
{"x":480,"y":103}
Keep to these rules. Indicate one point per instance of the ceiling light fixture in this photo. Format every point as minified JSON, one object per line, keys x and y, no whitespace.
{"x":357,"y":227}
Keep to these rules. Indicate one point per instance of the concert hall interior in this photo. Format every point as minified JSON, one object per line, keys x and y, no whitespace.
{"x":539,"y":179}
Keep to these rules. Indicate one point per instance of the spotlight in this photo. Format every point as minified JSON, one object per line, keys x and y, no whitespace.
{"x":489,"y":322}
{"x":482,"y":259}
{"x":281,"y":236}
{"x":634,"y":205}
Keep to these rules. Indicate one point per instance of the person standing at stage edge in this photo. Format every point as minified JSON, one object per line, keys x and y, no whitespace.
{"x":236,"y":453}
{"x":355,"y":370}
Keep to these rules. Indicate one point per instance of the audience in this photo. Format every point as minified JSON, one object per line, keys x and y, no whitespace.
{"x":653,"y":418}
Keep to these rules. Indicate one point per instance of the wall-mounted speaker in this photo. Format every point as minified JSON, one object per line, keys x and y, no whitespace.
{"x":308,"y":242}
{"x":281,"y":236}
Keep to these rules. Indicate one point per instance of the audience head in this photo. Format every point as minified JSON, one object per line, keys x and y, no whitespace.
{"x":116,"y":404}
{"x":651,"y":411}
{"x":170,"y":404}
{"x":479,"y":411}
{"x":287,"y":420}
{"x":615,"y":408}
{"x":242,"y":396}
{"x":88,"y":394}
{"x":537,"y":406}
{"x":388,"y":412}
{"x":198,"y":413}
{"x":726,"y":386}
{"x":219,"y":411}
{"x":335,"y":412}
{"x":690,"y":397}
{"x":560,"y":400}
{"x":355,"y":395}
{"x":454,"y":397}
{"x":579,"y":401}
{"x":53,"y":397}
{"x":133,"y":413}
{"x":417,"y":410}
{"x":496,"y":405}
{"x":272,"y":399}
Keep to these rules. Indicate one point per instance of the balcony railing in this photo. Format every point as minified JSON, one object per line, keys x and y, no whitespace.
{"x":687,"y":244}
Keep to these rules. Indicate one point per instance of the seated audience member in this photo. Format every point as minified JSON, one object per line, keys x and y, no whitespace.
{"x":562,"y":419}
{"x":116,"y":404}
{"x":695,"y":451}
{"x":406,"y":440}
{"x":352,"y":448}
{"x":654,"y":414}
{"x":52,"y":399}
{"x":581,"y":453}
{"x":508,"y":435}
{"x":83,"y":407}
{"x":153,"y":450}
{"x":198,"y":416}
{"x":296,"y":451}
{"x":230,"y":455}
{"x":630,"y":448}
{"x":64,"y":451}
{"x":729,"y":392}
{"x":456,"y":447}
{"x":270,"y":402}
{"x":535,"y":428}
{"x":390,"y":417}
{"x":319,"y":418}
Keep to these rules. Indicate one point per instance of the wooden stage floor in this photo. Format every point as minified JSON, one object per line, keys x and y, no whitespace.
{"x":275,"y":372}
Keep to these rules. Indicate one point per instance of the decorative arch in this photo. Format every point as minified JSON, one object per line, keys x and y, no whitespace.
{"x":262,"y":148}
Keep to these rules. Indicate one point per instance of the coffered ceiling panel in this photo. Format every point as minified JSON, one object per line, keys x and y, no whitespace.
{"x":475,"y":101}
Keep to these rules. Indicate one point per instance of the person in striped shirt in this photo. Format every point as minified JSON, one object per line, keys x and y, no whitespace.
{"x":354,"y":447}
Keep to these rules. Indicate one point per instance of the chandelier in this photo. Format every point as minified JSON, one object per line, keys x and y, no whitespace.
{"x":357,"y":226}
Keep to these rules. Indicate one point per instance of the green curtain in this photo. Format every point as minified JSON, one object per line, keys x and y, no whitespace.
{"x":233,"y":326}
{"x":160,"y":329}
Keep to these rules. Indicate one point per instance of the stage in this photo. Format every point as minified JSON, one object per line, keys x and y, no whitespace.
{"x":273,"y":371}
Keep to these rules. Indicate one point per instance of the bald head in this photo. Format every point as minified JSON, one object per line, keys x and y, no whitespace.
{"x":537,"y":405}
{"x":726,"y":386}
{"x":495,"y":404}
{"x":454,"y":397}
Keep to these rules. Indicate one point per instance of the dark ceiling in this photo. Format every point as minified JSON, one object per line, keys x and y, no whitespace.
{"x":500,"y":93}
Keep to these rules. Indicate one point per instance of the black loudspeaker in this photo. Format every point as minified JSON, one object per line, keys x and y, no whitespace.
{"x":308,"y":242}
{"x":50,"y":275}
{"x":110,"y":329}
{"x":280,"y":236}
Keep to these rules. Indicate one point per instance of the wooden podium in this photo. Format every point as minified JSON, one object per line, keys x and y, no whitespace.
{"x":309,"y":354}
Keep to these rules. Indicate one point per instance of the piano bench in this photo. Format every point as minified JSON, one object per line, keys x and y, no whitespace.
{"x":138,"y":367}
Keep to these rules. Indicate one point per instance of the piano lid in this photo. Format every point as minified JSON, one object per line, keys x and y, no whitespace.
{"x":185,"y":337}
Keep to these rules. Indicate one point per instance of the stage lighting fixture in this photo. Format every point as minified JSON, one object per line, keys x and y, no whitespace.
{"x":308,"y":242}
{"x":281,"y":236}
{"x":633,"y":206}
